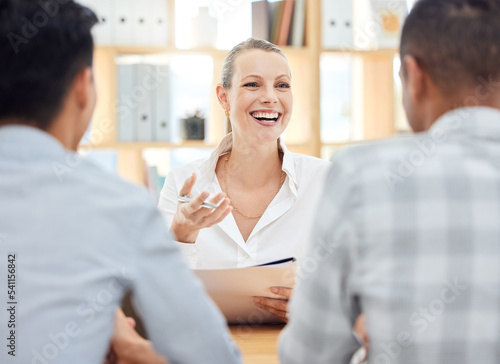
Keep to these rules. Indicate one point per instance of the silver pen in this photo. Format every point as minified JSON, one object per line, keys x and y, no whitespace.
{"x":208,"y":205}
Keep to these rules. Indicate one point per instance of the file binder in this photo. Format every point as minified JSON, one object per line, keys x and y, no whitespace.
{"x":337,"y":24}
{"x":143,"y":94}
{"x":141,"y":21}
{"x":122,"y":22}
{"x":159,"y":25}
{"x":161,"y":104}
{"x":276,"y":9}
{"x":102,"y":32}
{"x":365,"y":25}
{"x":126,"y":108}
{"x":298,"y":25}
{"x":260,"y":20}
{"x":285,"y":23}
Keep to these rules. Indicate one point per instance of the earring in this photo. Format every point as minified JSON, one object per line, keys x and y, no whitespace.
{"x":227,"y":113}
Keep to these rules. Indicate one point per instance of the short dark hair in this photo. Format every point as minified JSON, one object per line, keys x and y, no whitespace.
{"x":456,"y":41}
{"x":43,"y":46}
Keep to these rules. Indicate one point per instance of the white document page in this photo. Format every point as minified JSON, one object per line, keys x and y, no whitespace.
{"x":233,"y":290}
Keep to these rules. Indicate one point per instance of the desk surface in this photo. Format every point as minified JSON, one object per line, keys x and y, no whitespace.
{"x":258,"y":344}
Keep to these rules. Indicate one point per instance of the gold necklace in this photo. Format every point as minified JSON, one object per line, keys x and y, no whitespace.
{"x":282,"y":180}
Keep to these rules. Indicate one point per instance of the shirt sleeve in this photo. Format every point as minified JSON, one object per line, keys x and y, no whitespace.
{"x":323,"y":308}
{"x":181,"y":320}
{"x":168,"y":207}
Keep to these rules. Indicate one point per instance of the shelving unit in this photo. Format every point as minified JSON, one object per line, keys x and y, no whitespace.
{"x":374,"y":103}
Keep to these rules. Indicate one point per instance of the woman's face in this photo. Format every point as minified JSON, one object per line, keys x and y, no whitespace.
{"x":260,"y":98}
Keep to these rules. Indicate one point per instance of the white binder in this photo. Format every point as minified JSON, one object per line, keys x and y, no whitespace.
{"x":102,"y":32}
{"x":161,"y":104}
{"x":365,"y":25}
{"x":143,"y":97}
{"x":158,"y":15}
{"x":126,"y":109}
{"x":122,"y":22}
{"x":337,"y":24}
{"x":141,"y":23}
{"x":298,"y":24}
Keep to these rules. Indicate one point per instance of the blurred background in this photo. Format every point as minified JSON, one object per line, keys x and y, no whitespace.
{"x":157,"y":63}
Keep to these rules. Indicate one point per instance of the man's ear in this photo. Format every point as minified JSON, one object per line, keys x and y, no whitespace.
{"x":222,"y":97}
{"x":415,"y":78}
{"x":84,"y":101}
{"x":84,"y":89}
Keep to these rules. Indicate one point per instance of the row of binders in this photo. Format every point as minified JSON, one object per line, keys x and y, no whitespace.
{"x":280,"y":22}
{"x":130,"y":22}
{"x":362,"y":24}
{"x":143,"y":102}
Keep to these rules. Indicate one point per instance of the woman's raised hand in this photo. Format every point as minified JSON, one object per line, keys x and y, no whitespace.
{"x":191,"y":217}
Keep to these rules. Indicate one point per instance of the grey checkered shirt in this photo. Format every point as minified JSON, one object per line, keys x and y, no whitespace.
{"x":408,"y":232}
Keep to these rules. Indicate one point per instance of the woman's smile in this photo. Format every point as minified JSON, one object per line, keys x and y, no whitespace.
{"x":267,"y":117}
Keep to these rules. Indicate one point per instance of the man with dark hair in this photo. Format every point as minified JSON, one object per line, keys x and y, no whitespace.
{"x":71,"y":244}
{"x":408,"y":230}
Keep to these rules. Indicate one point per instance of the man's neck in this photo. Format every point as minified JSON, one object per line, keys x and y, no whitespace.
{"x":63,"y":129}
{"x":19,"y":122}
{"x":470,"y":98}
{"x":60,"y":131}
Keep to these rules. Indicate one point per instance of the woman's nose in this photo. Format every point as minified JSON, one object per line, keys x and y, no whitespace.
{"x":269,"y":95}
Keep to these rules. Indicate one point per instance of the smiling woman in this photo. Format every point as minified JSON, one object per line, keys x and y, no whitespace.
{"x":266,"y":196}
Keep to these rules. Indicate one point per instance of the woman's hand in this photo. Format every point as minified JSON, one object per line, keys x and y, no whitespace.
{"x":360,"y":330}
{"x":191,"y":217}
{"x":276,"y":306}
{"x":128,"y":347}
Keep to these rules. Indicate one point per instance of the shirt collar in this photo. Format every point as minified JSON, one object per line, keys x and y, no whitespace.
{"x":480,"y":121}
{"x":28,"y":142}
{"x":207,"y":170}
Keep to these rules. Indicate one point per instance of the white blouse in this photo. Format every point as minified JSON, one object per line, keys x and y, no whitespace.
{"x":284,"y":229}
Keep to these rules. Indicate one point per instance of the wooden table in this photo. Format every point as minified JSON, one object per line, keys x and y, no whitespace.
{"x":258,"y":344}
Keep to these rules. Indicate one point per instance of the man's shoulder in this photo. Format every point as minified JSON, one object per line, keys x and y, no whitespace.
{"x":384,"y":162}
{"x":111,"y":185}
{"x":415,"y":157}
{"x":366,"y":156}
{"x":376,"y":152}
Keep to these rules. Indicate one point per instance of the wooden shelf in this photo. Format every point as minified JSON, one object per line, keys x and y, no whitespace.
{"x":345,"y":144}
{"x":376,"y":52}
{"x":186,"y":144}
{"x":339,"y":145}
{"x":145,"y":145}
{"x":374,"y":101}
{"x":297,"y":51}
{"x":220,"y":53}
{"x":132,"y":49}
{"x":162,"y":50}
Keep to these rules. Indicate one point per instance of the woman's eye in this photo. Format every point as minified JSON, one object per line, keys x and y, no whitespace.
{"x":283,"y":85}
{"x":251,"y":84}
